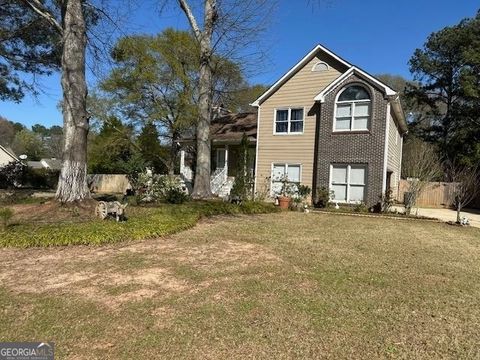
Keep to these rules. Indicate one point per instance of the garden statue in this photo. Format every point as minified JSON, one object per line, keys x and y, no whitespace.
{"x":113,"y":208}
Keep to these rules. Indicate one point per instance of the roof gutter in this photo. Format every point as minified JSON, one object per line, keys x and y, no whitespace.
{"x":398,"y":111}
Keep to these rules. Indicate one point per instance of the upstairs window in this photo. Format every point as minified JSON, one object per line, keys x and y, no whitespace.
{"x":289,"y":121}
{"x":352,"y":110}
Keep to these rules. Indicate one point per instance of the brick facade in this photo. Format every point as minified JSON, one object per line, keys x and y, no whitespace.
{"x":352,"y":147}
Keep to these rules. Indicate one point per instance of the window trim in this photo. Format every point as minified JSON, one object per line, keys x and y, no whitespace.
{"x":348,"y":184}
{"x":352,"y":110}
{"x":289,"y":120}
{"x":320,"y":62}
{"x":286,"y":165}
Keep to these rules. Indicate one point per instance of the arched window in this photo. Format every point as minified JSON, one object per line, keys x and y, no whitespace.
{"x":352,"y":110}
{"x":320,"y":66}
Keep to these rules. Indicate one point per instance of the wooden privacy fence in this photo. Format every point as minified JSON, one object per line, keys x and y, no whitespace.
{"x":109,"y":183}
{"x":435,"y":194}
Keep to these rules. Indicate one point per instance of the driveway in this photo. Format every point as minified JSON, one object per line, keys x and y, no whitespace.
{"x":448,"y":214}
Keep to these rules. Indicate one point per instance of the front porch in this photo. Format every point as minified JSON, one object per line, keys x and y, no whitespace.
{"x":224,"y":166}
{"x":226,"y":136}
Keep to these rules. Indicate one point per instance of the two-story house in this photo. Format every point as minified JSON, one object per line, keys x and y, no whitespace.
{"x":327,"y":123}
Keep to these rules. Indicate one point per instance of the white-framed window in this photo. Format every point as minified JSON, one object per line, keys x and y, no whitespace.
{"x":352,"y":109}
{"x":289,"y":121}
{"x":348,"y":182}
{"x":293,"y":172}
{"x":320,"y":66}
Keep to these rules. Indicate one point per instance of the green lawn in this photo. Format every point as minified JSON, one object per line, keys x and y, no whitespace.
{"x":274,"y":286}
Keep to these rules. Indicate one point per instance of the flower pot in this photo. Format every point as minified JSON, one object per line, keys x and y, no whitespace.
{"x":284,"y":202}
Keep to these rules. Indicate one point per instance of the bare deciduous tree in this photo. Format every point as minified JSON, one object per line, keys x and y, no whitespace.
{"x":467,"y":184}
{"x":420,"y":165}
{"x":72,"y":185}
{"x":229,"y":28}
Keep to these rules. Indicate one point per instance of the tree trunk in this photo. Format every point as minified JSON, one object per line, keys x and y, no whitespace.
{"x":201,"y":186}
{"x":459,"y":209}
{"x":173,"y":154}
{"x":72,"y":184}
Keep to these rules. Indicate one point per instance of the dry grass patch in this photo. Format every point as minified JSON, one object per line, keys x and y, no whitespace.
{"x":288,"y":285}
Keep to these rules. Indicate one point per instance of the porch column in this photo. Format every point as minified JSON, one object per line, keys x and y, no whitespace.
{"x":226,"y":160}
{"x":182,"y":163}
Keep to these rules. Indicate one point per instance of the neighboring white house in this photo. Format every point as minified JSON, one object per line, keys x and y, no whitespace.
{"x":6,"y":156}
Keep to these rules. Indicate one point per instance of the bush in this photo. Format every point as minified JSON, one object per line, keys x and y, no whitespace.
{"x":153,"y":188}
{"x":360,"y":208}
{"x":386,"y":201}
{"x":40,"y":178}
{"x":175,"y":195}
{"x":322,"y":197}
{"x":5,"y":216}
{"x":11,"y":175}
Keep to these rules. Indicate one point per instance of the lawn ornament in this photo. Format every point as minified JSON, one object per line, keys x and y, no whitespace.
{"x":114,"y":208}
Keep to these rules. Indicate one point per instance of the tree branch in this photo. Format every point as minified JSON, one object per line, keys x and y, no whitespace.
{"x":40,"y":9}
{"x":191,"y":18}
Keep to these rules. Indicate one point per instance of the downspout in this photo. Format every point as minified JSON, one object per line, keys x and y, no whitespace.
{"x":385,"y":153}
{"x":256,"y":152}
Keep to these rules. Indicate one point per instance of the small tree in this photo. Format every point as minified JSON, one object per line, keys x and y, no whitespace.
{"x":467,"y":184}
{"x":421,"y":165}
{"x":243,"y":185}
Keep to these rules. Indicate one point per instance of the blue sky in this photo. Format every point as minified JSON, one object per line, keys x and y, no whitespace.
{"x":377,"y":35}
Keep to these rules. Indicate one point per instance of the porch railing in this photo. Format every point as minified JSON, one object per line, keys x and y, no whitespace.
{"x":217,"y":180}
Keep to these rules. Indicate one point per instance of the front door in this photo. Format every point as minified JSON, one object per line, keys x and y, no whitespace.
{"x":220,"y":158}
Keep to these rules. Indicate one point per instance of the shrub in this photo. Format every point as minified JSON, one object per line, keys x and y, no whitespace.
{"x":263,"y":191}
{"x":301,"y":195}
{"x":242,"y":188}
{"x":40,"y":178}
{"x":322,"y":197}
{"x":153,"y":188}
{"x":386,"y":201}
{"x":360,"y":208}
{"x":5,"y":216}
{"x":174,"y":195}
{"x":11,"y":174}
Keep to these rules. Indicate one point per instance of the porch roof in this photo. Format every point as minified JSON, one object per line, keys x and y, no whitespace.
{"x":232,"y":127}
{"x":229,"y":129}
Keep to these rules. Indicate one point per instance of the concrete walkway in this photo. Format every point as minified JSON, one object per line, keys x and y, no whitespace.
{"x":447,"y":214}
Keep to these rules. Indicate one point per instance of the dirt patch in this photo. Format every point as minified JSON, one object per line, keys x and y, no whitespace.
{"x":53,"y":212}
{"x":118,"y":274}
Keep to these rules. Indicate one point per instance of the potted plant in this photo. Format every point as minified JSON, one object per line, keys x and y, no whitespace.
{"x":286,"y":193}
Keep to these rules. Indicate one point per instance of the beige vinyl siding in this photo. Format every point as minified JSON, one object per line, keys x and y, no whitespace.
{"x":394,"y":153}
{"x":298,"y":92}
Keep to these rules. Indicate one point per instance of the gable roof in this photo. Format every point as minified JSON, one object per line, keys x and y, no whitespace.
{"x":297,"y":67}
{"x":354,"y":70}
{"x":9,"y":152}
{"x":391,"y":94}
